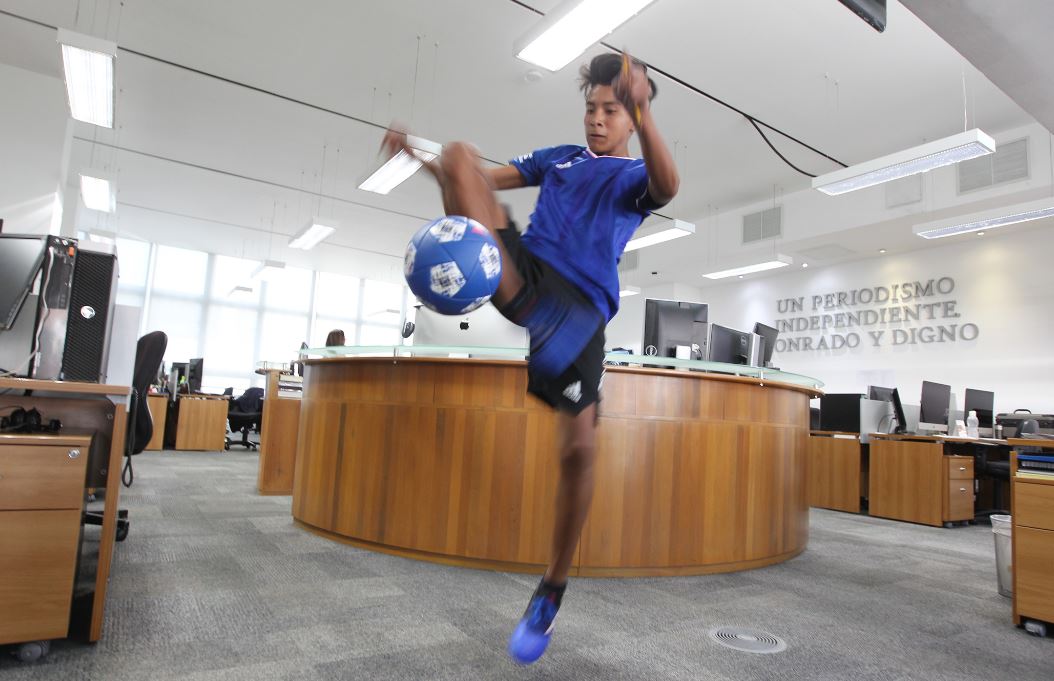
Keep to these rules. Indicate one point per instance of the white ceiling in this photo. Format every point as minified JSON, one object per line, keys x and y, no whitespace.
{"x":193,"y":149}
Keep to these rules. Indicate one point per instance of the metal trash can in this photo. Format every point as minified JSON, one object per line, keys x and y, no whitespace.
{"x":1001,"y":532}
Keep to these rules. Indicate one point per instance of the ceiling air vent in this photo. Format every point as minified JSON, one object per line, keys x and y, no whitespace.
{"x":1008,"y":164}
{"x":766,"y":224}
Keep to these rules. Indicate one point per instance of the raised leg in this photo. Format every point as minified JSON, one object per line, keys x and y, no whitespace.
{"x":466,"y":191}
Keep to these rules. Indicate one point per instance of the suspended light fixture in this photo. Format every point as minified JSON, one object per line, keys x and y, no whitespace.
{"x":88,"y":67}
{"x":942,"y":152}
{"x":317,"y":230}
{"x":772,"y":264}
{"x":571,"y":28}
{"x":673,"y":229}
{"x":989,"y":219}
{"x":400,"y":167}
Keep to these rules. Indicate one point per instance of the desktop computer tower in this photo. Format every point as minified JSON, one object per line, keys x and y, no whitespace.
{"x":76,"y":313}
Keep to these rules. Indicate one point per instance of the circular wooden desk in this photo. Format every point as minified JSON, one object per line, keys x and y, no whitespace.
{"x":450,"y":460}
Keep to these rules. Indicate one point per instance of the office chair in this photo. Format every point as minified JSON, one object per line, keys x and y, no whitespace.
{"x":244,"y":415}
{"x":148,"y":354}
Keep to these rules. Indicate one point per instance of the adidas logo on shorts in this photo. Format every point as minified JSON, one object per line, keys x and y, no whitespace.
{"x":573,"y":392}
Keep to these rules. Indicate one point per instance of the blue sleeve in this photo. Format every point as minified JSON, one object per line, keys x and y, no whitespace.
{"x":534,"y":165}
{"x":639,"y":196}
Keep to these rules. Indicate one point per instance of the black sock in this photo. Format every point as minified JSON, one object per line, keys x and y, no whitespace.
{"x":554,"y":592}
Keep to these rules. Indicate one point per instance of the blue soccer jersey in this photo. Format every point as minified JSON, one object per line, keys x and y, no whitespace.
{"x":588,"y":208}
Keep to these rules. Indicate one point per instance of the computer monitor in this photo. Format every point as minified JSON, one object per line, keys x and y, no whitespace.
{"x":898,"y":413}
{"x":875,"y":392}
{"x":768,"y":339}
{"x":21,"y":257}
{"x":933,"y":408}
{"x":982,"y":402}
{"x":195,"y":369}
{"x":672,"y":323}
{"x":840,"y":412}
{"x":728,"y":345}
{"x":177,"y":371}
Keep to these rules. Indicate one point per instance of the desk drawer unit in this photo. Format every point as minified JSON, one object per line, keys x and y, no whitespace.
{"x":960,"y":468}
{"x":41,"y":497}
{"x":45,"y":477}
{"x":1034,"y":566}
{"x":1034,"y":507}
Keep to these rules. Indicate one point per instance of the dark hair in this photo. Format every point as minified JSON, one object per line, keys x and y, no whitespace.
{"x":604,"y":69}
{"x":335,"y":337}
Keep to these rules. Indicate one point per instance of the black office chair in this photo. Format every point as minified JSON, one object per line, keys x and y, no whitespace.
{"x":998,"y":472}
{"x":244,"y":414}
{"x":148,"y":354}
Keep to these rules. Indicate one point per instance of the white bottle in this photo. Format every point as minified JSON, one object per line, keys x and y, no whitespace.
{"x":971,"y":424}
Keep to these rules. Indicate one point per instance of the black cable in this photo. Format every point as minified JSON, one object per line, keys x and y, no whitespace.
{"x":775,"y":150}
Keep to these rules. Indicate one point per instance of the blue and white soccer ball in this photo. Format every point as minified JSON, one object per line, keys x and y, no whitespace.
{"x":452,"y":265}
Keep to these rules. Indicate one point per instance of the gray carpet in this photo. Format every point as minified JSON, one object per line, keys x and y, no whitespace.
{"x":215,"y":582}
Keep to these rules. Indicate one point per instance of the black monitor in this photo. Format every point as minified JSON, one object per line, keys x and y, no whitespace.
{"x":768,"y":339}
{"x":875,"y":392}
{"x":21,"y":257}
{"x":933,"y":408}
{"x":840,"y":412}
{"x":982,"y":402}
{"x":195,"y":369}
{"x":672,"y":323}
{"x":898,"y":413}
{"x":728,"y":345}
{"x":177,"y":374}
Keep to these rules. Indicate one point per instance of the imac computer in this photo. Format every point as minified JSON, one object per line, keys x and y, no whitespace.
{"x":195,"y":370}
{"x":875,"y":392}
{"x":768,"y":339}
{"x":673,"y":324}
{"x":934,"y":406}
{"x":982,"y":402}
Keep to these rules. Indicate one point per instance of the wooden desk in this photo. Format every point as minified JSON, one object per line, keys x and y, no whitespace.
{"x":201,"y":423}
{"x":837,"y":470}
{"x":278,"y":432}
{"x":158,"y":406}
{"x":1032,"y":563}
{"x":912,"y":479}
{"x":450,"y":460}
{"x":42,"y":532}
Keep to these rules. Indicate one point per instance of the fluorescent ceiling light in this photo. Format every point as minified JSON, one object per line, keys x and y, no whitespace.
{"x":627,"y":291}
{"x":88,"y":65}
{"x":268,"y":270}
{"x":571,"y":27}
{"x":97,"y":191}
{"x":943,"y":152}
{"x":674,"y":229}
{"x":317,"y":229}
{"x":401,"y":166}
{"x":777,"y":262}
{"x":989,"y":219}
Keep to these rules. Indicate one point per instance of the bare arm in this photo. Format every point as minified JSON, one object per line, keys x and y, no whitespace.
{"x":505,"y":177}
{"x":663,"y":179}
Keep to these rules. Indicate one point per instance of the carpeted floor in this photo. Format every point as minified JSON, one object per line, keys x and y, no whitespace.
{"x":215,"y":582}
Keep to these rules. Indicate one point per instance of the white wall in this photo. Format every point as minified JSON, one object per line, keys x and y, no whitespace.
{"x":35,"y":134}
{"x":1004,"y":284}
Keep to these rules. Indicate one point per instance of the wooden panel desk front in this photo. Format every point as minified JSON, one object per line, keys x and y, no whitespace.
{"x":451,"y":461}
{"x":201,"y":422}
{"x":279,"y":425}
{"x":48,"y":511}
{"x":1032,"y":563}
{"x":913,"y":479}
{"x":837,"y":471}
{"x":158,"y":406}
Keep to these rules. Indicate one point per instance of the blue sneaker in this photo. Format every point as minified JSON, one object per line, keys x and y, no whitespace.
{"x":531,"y":636}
